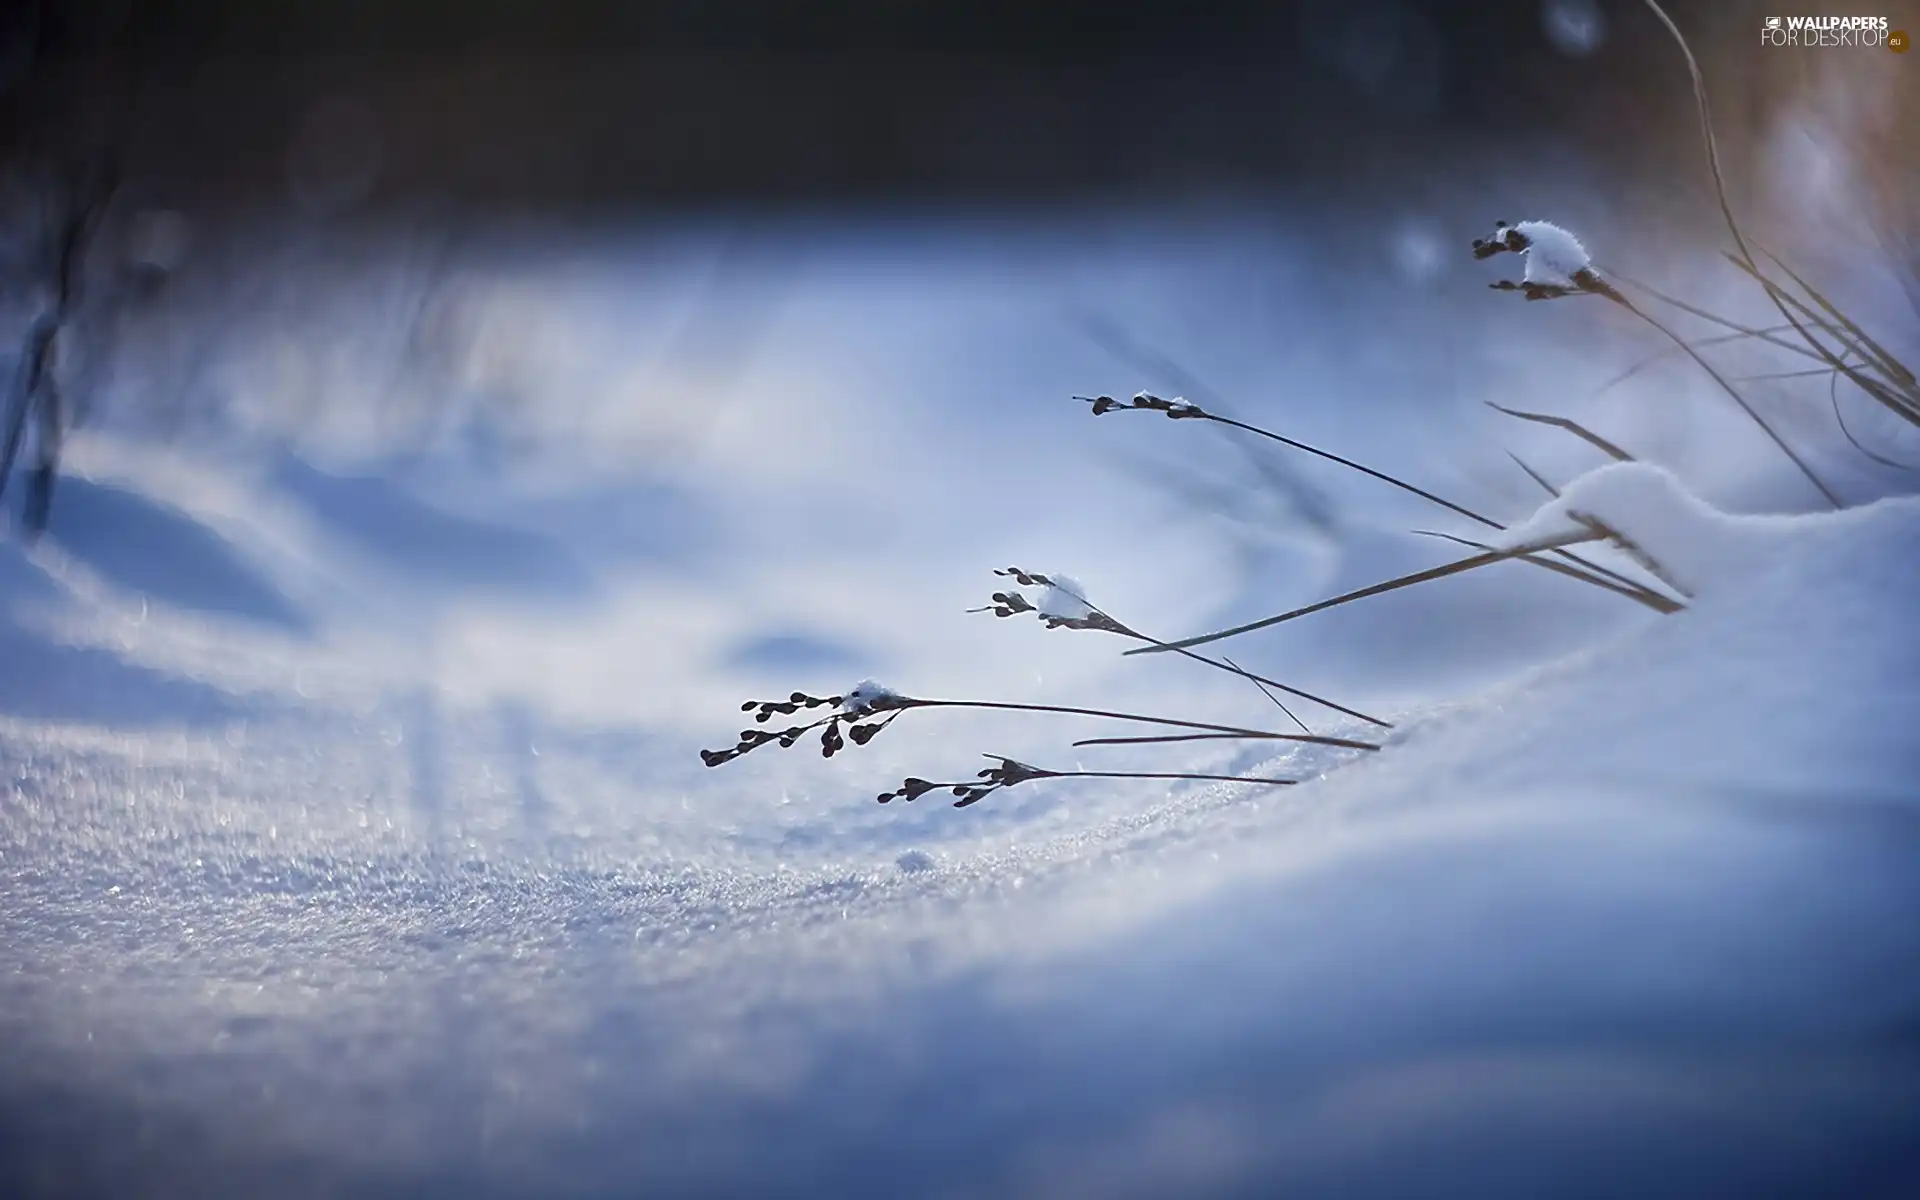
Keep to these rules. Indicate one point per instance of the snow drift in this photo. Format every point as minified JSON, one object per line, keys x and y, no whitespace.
{"x":1640,"y":922}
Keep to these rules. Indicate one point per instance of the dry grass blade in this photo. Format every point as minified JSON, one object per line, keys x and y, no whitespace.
{"x":1263,"y":683}
{"x":1809,"y":373}
{"x":1571,"y":426}
{"x":1265,"y":691}
{"x":1405,"y":581}
{"x":1771,"y":335}
{"x":1205,"y":778}
{"x":1745,"y":260}
{"x":1534,"y":475}
{"x":1173,"y":722}
{"x":1907,"y":409}
{"x":1351,"y":465}
{"x":1105,"y":622}
{"x":1732,"y":392}
{"x":1880,"y":355}
{"x":1833,"y":399}
{"x":1584,"y":570}
{"x":1767,"y":335}
{"x":1155,"y":739}
{"x":1625,"y":586}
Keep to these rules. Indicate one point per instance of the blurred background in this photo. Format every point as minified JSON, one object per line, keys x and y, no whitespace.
{"x":463,"y":407}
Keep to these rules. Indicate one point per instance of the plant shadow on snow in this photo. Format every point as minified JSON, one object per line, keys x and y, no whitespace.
{"x":43,"y":679}
{"x":430,"y":544}
{"x":153,"y":550}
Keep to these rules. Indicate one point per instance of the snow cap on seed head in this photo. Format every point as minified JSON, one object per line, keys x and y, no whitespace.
{"x":865,"y":696}
{"x":1553,"y":255}
{"x":1065,"y":599}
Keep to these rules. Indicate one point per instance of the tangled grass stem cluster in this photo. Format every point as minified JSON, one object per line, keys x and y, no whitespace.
{"x":866,"y":710}
{"x":1556,"y":267}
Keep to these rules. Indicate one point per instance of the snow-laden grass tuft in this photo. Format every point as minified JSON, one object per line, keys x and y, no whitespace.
{"x":1651,"y":515}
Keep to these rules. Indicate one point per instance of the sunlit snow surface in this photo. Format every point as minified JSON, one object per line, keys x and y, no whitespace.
{"x":302,"y":896}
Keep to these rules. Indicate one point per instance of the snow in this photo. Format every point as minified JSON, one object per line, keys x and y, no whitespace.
{"x":1065,"y":599}
{"x":1651,"y":896}
{"x":1553,"y":255}
{"x":863,"y":696}
{"x":1692,"y":543}
{"x":442,"y":902}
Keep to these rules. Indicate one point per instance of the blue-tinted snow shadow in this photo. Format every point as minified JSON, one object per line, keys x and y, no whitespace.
{"x":40,"y":679}
{"x":159,"y":552}
{"x":429,"y":544}
{"x":796,"y":651}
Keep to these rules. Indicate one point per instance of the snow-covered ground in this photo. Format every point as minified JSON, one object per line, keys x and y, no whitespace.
{"x":354,"y":839}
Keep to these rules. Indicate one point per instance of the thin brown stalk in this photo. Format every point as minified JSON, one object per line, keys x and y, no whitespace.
{"x":1833,"y":399}
{"x":1107,"y":623}
{"x":1880,"y":356}
{"x":1571,"y":426}
{"x":1165,"y":775}
{"x":1768,"y":335}
{"x":1534,"y":475}
{"x":1772,"y":290}
{"x":1108,"y":714}
{"x":1633,"y":591}
{"x":1405,"y":581}
{"x":1588,"y":572}
{"x":1733,"y":392}
{"x":1265,"y":691}
{"x":1908,"y":410}
{"x":1669,"y":351}
{"x":1156,"y":739}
